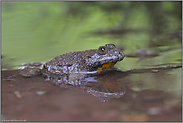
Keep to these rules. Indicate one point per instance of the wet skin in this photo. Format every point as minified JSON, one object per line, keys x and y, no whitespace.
{"x":79,"y":64}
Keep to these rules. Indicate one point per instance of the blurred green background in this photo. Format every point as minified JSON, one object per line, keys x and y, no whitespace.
{"x":39,"y":31}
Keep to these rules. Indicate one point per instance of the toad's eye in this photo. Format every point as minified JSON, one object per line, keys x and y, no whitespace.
{"x":102,"y":50}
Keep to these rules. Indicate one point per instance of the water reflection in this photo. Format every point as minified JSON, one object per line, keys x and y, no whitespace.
{"x":104,"y":86}
{"x":114,"y":84}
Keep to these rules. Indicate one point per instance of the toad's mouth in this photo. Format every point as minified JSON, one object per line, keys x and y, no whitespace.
{"x":105,"y":66}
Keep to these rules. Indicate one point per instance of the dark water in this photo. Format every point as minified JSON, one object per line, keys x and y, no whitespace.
{"x":153,"y":96}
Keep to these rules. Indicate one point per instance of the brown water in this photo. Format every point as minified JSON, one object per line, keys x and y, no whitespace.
{"x":112,"y":96}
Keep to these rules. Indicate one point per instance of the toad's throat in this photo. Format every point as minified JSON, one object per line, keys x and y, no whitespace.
{"x":105,"y":66}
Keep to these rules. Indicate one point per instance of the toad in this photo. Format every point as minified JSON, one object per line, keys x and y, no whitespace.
{"x":77,"y":65}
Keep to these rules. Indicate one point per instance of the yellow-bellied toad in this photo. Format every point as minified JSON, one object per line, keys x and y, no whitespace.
{"x":79,"y":64}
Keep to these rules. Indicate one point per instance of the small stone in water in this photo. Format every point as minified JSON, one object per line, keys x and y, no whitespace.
{"x":41,"y":92}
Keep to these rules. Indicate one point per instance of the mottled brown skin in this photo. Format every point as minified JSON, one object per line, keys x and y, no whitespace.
{"x":84,"y":61}
{"x":79,"y":63}
{"x":70,"y":59}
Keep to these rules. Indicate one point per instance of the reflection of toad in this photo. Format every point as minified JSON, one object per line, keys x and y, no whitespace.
{"x":105,"y":87}
{"x":109,"y":82}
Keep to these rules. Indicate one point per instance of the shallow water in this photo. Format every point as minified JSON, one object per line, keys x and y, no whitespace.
{"x":114,"y":94}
